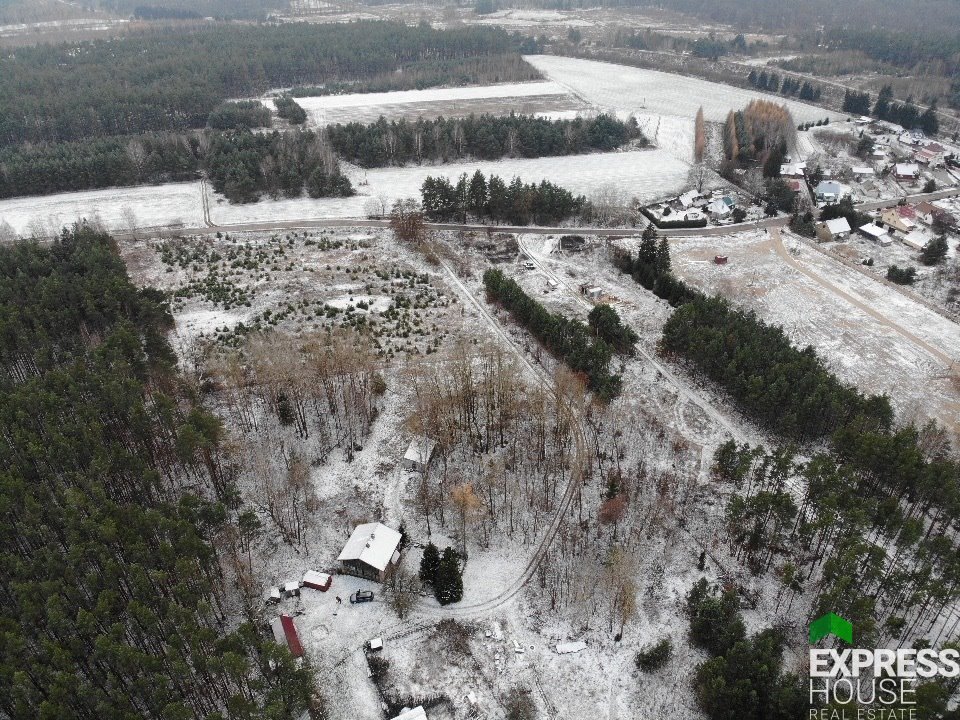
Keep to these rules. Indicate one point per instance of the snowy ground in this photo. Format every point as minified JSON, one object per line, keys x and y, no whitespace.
{"x":620,"y":87}
{"x":645,"y":174}
{"x":151,"y":205}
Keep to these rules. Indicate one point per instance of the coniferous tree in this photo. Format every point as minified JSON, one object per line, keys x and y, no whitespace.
{"x":448,"y":587}
{"x":430,"y":565}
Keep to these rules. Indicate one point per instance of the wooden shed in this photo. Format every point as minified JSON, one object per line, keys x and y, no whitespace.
{"x":317,"y":580}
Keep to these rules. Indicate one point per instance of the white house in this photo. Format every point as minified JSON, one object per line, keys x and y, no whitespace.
{"x":688,"y":198}
{"x":419,"y":453}
{"x":718,"y":209}
{"x":906,"y":171}
{"x":831,"y":191}
{"x":370,"y":552}
{"x":838,"y":228}
{"x":916,"y":239}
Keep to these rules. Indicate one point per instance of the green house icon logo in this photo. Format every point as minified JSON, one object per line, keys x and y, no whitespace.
{"x":831,"y":624}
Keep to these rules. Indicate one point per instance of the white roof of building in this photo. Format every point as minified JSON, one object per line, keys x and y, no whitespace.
{"x":688,"y":197}
{"x":872,"y":230}
{"x":907,"y":169}
{"x":916,"y":239}
{"x":420,"y":450}
{"x":838,"y":225}
{"x":372,"y":544}
{"x":291,"y":586}
{"x":571,"y":647}
{"x":417,"y":713}
{"x":315,"y":578}
{"x":793,"y":168}
{"x":718,"y":207}
{"x":862,"y":170}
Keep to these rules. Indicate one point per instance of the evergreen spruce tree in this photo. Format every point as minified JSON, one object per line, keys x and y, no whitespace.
{"x":429,"y":564}
{"x":448,"y":587}
{"x":662,"y":261}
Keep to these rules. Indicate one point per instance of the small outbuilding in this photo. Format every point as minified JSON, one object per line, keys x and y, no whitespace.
{"x":285,"y":633}
{"x":875,"y":233}
{"x":371,"y":552}
{"x":720,"y":259}
{"x":291,"y":589}
{"x":317,"y":580}
{"x":419,"y":453}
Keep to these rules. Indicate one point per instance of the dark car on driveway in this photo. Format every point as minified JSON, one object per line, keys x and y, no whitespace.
{"x":361,"y":596}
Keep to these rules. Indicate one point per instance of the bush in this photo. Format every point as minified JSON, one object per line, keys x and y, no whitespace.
{"x":901,"y":276}
{"x":654,"y":657}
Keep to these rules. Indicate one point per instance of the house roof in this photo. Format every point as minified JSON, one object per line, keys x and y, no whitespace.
{"x":372,"y":544}
{"x":926,"y":208}
{"x":420,"y":450}
{"x":718,"y":207}
{"x":793,"y":168}
{"x":872,"y":230}
{"x":285,"y":632}
{"x":315,"y":578}
{"x":906,"y":211}
{"x":838,"y":225}
{"x":905,"y":169}
{"x":916,"y":239}
{"x":862,"y":170}
{"x":830,"y":187}
{"x":688,"y":197}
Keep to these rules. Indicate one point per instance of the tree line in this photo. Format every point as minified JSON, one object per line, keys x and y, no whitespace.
{"x":905,"y":114}
{"x":788,"y":86}
{"x":172,"y":80}
{"x":244,"y":165}
{"x":241,"y":165}
{"x":651,"y":268}
{"x":515,"y":203}
{"x":485,"y":137}
{"x":569,"y":340}
{"x":117,"y":504}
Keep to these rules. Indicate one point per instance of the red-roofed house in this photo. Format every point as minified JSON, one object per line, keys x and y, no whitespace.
{"x":285,"y":633}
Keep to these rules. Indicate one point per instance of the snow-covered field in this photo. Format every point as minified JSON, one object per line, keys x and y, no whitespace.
{"x":150,"y":205}
{"x":504,"y":98}
{"x":620,"y":87}
{"x":646,"y":174}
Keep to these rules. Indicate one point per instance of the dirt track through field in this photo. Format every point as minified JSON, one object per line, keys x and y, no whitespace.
{"x":785,"y":255}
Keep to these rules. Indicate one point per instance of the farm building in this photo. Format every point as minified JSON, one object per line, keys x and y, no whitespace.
{"x":906,"y":171}
{"x":317,"y":580}
{"x":371,"y":552}
{"x":285,"y":633}
{"x":835,"y":229}
{"x":862,"y":171}
{"x":419,"y":453}
{"x":899,"y":219}
{"x":875,"y":233}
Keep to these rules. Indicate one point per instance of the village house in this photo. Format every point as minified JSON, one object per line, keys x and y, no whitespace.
{"x":916,"y":239}
{"x":899,"y":219}
{"x":835,"y":229}
{"x":932,"y":155}
{"x":419,"y":453}
{"x":906,"y":171}
{"x":926,"y":211}
{"x":371,"y":552}
{"x":831,"y":191}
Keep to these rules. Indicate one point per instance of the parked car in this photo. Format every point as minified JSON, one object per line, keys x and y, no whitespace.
{"x":361,"y":596}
